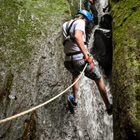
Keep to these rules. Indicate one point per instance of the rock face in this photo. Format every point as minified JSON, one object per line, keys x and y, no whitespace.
{"x":32,"y":72}
{"x":102,"y":49}
{"x":102,"y":45}
{"x":126,"y":69}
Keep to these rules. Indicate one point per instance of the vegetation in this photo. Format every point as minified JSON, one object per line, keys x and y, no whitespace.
{"x":126,"y":68}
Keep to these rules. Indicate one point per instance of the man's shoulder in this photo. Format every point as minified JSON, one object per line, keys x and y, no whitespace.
{"x":65,"y":23}
{"x":75,"y":21}
{"x":79,"y":21}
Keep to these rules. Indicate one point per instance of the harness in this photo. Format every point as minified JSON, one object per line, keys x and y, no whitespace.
{"x":68,"y":37}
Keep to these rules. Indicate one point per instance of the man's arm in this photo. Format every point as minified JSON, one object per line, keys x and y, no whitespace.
{"x":80,"y":42}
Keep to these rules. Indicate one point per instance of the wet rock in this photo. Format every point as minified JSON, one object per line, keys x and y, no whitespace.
{"x":126,"y":69}
{"x":102,"y":49}
{"x":31,"y":57}
{"x":106,"y":21}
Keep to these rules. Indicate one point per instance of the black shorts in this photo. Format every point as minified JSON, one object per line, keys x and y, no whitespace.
{"x":76,"y":66}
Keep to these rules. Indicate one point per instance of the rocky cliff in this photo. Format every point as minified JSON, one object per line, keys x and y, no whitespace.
{"x":126,"y":68}
{"x":32,"y":72}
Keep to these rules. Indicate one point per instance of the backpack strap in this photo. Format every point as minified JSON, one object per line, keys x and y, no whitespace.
{"x":68,"y":31}
{"x":68,"y":37}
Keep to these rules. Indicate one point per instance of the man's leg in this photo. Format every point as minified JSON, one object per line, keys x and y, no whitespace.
{"x":102,"y":90}
{"x":75,"y":87}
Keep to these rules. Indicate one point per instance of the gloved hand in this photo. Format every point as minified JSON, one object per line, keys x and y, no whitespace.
{"x":89,"y":59}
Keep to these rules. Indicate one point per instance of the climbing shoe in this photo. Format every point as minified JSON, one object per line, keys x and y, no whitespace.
{"x":71,"y":100}
{"x":110,"y":110}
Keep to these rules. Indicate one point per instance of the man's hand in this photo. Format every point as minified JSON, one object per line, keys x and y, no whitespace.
{"x":89,"y":59}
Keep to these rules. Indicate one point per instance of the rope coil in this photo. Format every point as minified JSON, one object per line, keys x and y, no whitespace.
{"x":34,"y":108}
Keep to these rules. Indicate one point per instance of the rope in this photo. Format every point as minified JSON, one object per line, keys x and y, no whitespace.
{"x":34,"y":108}
{"x":80,"y":5}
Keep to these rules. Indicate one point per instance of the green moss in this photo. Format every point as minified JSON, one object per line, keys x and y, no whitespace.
{"x":22,"y":26}
{"x":126,"y":67}
{"x":74,"y":6}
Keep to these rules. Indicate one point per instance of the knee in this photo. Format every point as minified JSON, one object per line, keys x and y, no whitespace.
{"x":99,"y":80}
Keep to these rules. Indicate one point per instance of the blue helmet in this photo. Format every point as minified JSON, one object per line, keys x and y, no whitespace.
{"x":86,"y":14}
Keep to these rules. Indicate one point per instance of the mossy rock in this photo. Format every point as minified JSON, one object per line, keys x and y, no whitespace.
{"x":126,"y":69}
{"x":30,"y":33}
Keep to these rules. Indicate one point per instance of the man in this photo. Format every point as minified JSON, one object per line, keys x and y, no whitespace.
{"x":74,"y":37}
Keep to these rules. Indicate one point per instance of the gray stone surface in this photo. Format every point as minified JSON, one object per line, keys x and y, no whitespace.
{"x":32,"y":72}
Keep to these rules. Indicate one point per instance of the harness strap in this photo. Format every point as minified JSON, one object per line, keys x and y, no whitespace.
{"x":73,"y":53}
{"x":72,"y":62}
{"x":68,"y":31}
{"x":92,"y":67}
{"x":68,"y":37}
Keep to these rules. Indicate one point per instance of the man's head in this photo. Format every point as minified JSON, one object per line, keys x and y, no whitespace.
{"x":84,"y":14}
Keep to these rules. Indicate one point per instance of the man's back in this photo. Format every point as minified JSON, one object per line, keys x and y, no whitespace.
{"x":71,"y":46}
